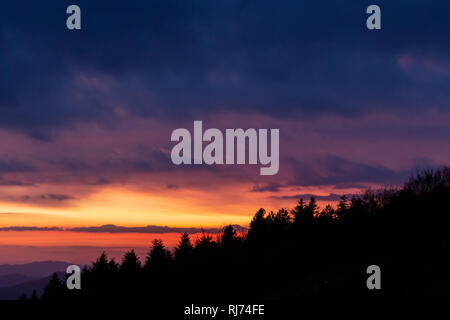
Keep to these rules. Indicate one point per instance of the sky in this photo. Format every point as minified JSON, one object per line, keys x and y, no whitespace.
{"x":86,"y":115}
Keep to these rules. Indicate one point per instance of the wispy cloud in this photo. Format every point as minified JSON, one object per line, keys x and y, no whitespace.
{"x":14,"y":228}
{"x":110,"y":228}
{"x":267,"y":187}
{"x":330,"y":197}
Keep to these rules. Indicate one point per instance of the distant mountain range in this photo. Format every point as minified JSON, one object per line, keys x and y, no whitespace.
{"x":18,"y":279}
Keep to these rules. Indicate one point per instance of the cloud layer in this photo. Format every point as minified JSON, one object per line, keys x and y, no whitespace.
{"x":90,"y":112}
{"x":110,"y":228}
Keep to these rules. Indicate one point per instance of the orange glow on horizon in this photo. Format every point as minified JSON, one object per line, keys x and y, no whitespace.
{"x":132,"y":208}
{"x":68,"y":238}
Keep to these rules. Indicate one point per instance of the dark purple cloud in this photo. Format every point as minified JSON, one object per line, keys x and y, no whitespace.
{"x":176,"y":59}
{"x":271,"y":187}
{"x":338,"y":170}
{"x":15,"y":166}
{"x":307,"y":196}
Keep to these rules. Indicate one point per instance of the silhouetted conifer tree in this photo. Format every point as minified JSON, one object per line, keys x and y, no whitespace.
{"x":158,"y":257}
{"x":342,"y":206}
{"x":299,"y":211}
{"x":257,"y":226}
{"x":100,"y":266}
{"x":228,"y":238}
{"x":113,"y":267}
{"x":130,"y":263}
{"x":312,"y":209}
{"x":54,"y":289}
{"x":184,"y":249}
{"x":328,"y":212}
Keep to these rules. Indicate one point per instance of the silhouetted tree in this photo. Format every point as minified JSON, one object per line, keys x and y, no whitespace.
{"x":228,"y":239}
{"x":54,"y":289}
{"x":113,"y":267}
{"x":312,"y":209}
{"x":158,"y":257}
{"x":299,"y":212}
{"x":130,"y":263}
{"x":328,"y":212}
{"x":258,"y":226}
{"x":205,"y":243}
{"x":282,"y":217}
{"x":101,"y":264}
{"x":342,"y":206}
{"x":184,"y":249}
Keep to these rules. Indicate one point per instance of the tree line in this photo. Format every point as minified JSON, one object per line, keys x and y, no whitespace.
{"x":305,"y":252}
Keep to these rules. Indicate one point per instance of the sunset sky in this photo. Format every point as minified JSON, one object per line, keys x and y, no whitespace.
{"x":86,"y":115}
